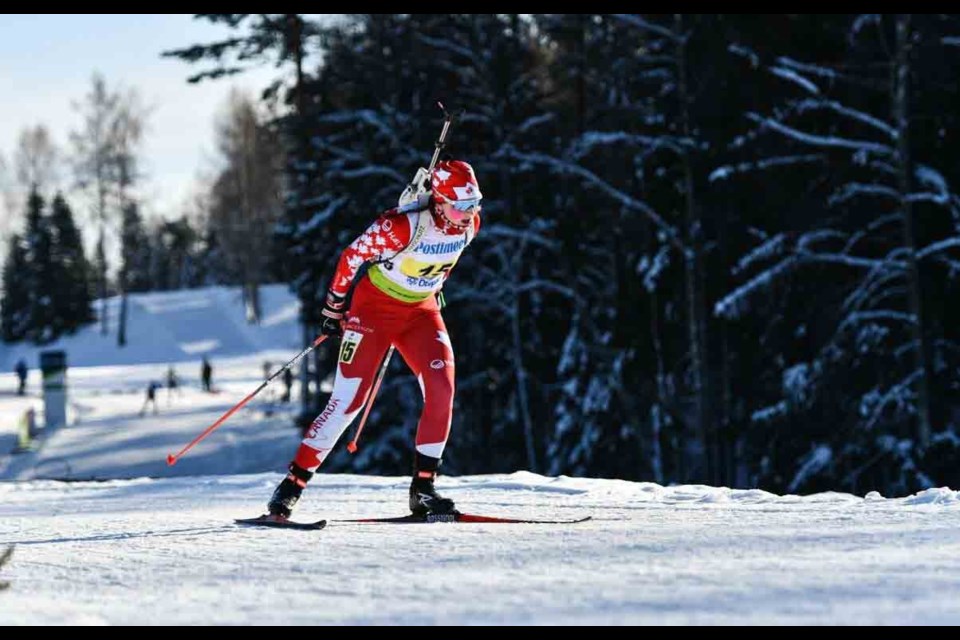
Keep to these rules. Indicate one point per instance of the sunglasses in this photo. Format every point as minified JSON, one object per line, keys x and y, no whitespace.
{"x":464,"y":206}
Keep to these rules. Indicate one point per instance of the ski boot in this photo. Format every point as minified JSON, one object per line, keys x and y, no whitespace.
{"x":424,"y":499}
{"x":288,"y":492}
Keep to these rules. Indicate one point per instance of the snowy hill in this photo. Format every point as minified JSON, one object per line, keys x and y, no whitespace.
{"x":108,"y":438}
{"x":177,"y":326}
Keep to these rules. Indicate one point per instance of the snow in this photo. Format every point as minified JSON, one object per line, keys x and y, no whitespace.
{"x":728,"y":171}
{"x":930,"y":176}
{"x":848,"y":112}
{"x":823,"y":72}
{"x":322,"y":217}
{"x":796,"y":78}
{"x":819,"y":458}
{"x":626,"y":200}
{"x":769,"y":413}
{"x":175,"y":326}
{"x":165,"y":551}
{"x":653,"y":268}
{"x":149,"y":544}
{"x":771,"y":247}
{"x":736,"y":302}
{"x":106,"y":388}
{"x":745,"y":52}
{"x":865,"y":146}
{"x":796,"y":382}
{"x":636,"y":21}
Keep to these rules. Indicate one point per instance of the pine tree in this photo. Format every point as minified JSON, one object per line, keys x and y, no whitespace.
{"x":175,"y":258}
{"x":212,"y":266}
{"x":16,"y":295}
{"x":856,"y":391}
{"x":40,"y":275}
{"x":135,"y":254}
{"x":72,"y":304}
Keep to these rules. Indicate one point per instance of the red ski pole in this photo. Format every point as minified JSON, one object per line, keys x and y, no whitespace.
{"x":172,"y":459}
{"x":352,"y":445}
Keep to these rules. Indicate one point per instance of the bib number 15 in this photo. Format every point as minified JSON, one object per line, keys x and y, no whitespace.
{"x":433,"y":270}
{"x":348,"y":346}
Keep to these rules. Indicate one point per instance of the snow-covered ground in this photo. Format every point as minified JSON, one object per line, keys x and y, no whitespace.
{"x":152,"y":544}
{"x":176,"y":326}
{"x":166,"y":552}
{"x":107,"y":438}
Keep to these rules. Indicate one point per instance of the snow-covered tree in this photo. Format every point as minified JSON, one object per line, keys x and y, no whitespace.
{"x":853,"y":390}
{"x":16,"y":294}
{"x":72,"y":304}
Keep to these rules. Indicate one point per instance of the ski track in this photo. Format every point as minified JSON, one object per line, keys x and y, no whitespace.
{"x":166,"y":552}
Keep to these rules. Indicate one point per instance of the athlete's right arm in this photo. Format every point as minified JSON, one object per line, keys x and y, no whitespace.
{"x":388,"y":234}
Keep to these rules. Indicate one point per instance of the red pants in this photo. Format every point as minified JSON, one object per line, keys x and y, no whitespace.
{"x":373,"y":323}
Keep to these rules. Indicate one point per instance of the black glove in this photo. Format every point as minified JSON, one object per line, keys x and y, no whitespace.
{"x":332,"y":315}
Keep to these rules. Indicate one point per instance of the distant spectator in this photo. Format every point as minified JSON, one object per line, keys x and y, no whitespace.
{"x":287,"y":384}
{"x":27,"y":431}
{"x":151,"y":397}
{"x":32,"y":422}
{"x":21,"y":370}
{"x":206,"y":374}
{"x":172,"y":384}
{"x":269,"y":395}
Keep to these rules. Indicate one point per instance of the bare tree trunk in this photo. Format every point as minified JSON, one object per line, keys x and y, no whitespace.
{"x":656,"y":417}
{"x":522,"y":378}
{"x":901,"y":116}
{"x":725,"y":439}
{"x":295,"y":44}
{"x":102,"y":281}
{"x":101,"y":243}
{"x":694,"y":279}
{"x":251,"y":301}
{"x":122,"y":330}
{"x":581,"y":76}
{"x":124,"y":182}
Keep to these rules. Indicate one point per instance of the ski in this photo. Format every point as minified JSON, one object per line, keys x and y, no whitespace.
{"x":268,"y":521}
{"x":460,"y":517}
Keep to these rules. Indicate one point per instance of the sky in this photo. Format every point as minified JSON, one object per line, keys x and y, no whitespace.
{"x":47,"y":62}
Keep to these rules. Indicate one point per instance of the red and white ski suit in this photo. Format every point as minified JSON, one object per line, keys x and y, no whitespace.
{"x":394,"y":303}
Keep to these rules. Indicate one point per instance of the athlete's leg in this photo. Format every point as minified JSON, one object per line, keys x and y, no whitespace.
{"x":426,"y":348}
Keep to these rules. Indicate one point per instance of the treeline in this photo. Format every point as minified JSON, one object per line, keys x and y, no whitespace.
{"x":716,"y":248}
{"x":222,"y":234}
